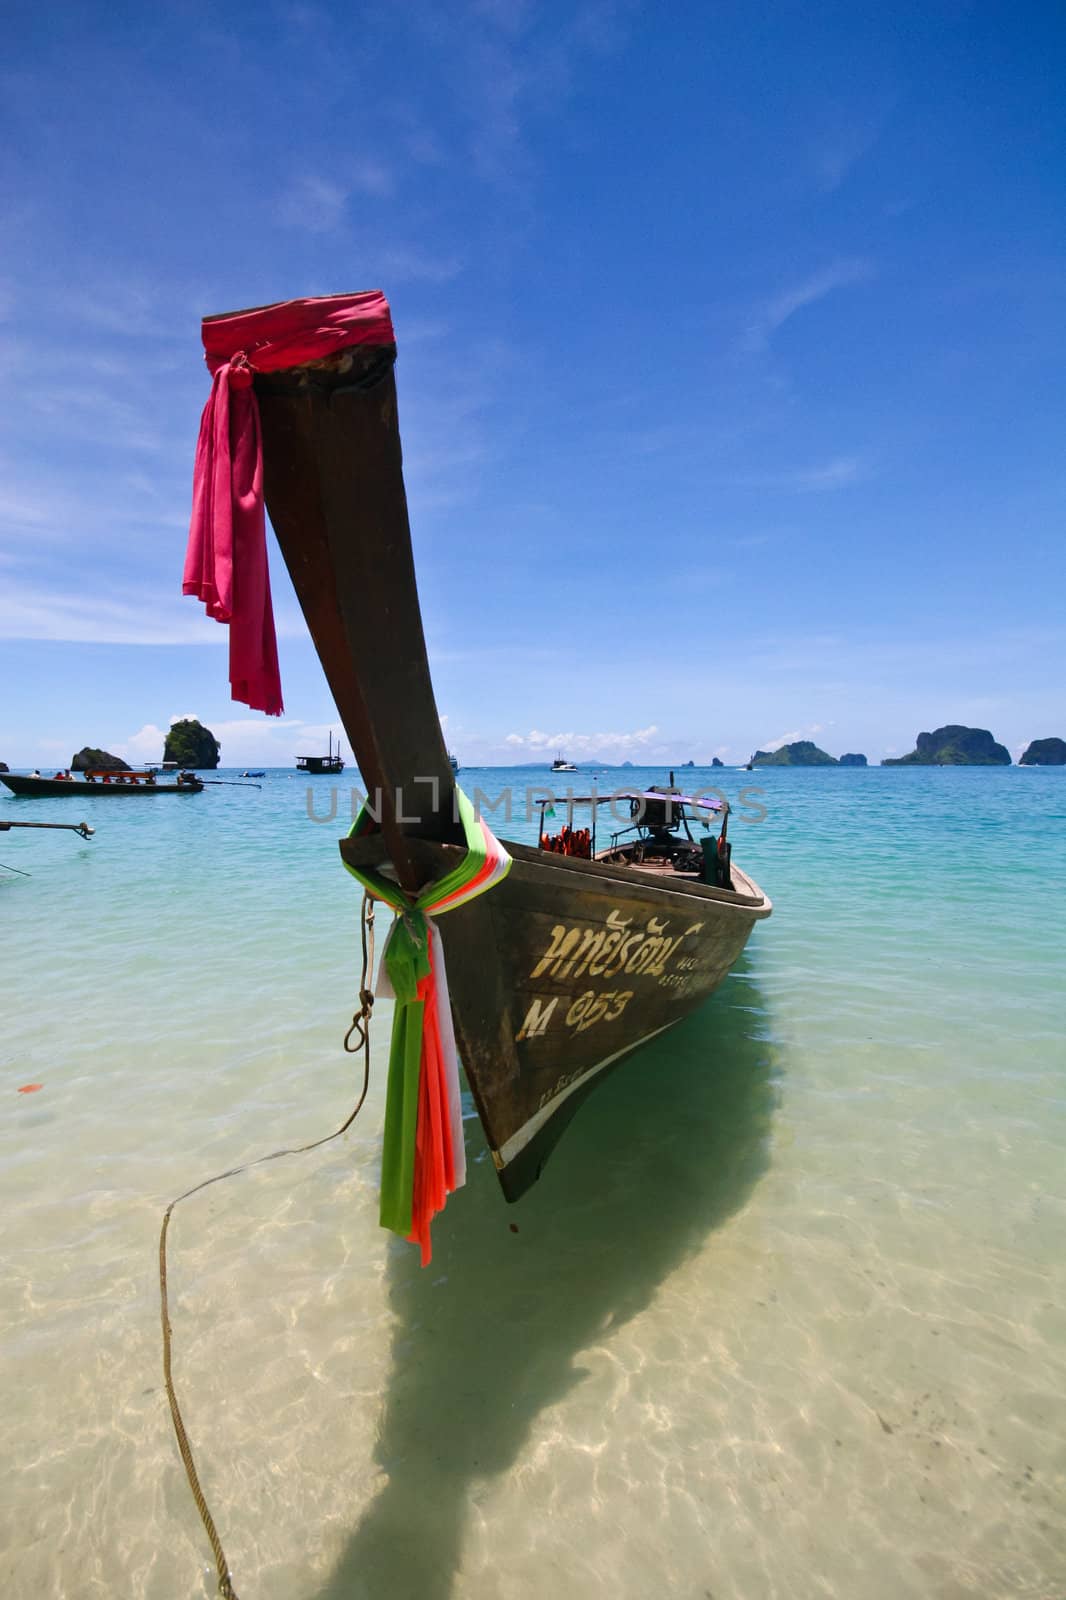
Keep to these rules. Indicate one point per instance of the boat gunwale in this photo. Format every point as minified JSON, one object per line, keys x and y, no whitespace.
{"x":67,"y":788}
{"x":371,"y":850}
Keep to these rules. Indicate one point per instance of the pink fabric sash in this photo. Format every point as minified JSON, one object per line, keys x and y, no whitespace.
{"x":226,"y":560}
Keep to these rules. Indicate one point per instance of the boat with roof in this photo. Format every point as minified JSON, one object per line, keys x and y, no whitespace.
{"x":98,"y":782}
{"x":332,"y":762}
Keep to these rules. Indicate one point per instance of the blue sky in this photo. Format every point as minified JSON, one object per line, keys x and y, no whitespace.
{"x":731,"y":352}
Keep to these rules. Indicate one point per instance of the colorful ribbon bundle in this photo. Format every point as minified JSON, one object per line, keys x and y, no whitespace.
{"x":226,"y":561}
{"x":422,"y":1158}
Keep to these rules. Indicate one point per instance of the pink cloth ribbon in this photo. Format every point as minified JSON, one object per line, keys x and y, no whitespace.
{"x":226,"y":560}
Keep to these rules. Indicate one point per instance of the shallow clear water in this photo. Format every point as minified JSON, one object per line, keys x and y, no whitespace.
{"x":793,"y":1325}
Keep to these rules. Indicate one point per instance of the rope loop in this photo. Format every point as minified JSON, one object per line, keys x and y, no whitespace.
{"x":361,"y":1020}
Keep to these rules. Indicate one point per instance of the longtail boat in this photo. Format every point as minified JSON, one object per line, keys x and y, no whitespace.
{"x":572,"y":960}
{"x":99,"y":783}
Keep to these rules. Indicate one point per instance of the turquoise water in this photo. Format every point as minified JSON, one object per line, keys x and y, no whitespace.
{"x":794,"y":1325}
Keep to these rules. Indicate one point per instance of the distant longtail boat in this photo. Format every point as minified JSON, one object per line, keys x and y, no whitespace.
{"x":333,"y":762}
{"x":99,"y":783}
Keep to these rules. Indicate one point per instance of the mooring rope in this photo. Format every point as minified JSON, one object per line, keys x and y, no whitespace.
{"x":360,"y":1029}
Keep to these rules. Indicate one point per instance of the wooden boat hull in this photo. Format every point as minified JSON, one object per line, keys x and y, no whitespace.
{"x":52,"y":788}
{"x":561,"y":972}
{"x":565,"y":966}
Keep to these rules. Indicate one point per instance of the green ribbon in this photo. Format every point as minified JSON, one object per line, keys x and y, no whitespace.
{"x":429,"y":899}
{"x":407,"y":963}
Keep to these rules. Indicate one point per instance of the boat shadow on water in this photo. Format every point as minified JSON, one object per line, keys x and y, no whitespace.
{"x":488,"y":1335}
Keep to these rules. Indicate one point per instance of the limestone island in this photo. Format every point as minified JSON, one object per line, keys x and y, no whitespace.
{"x":191,"y":745}
{"x":715,"y":762}
{"x":852,"y":759}
{"x":1045,"y":753}
{"x":90,"y":759}
{"x":801,"y":754}
{"x":953,"y":746}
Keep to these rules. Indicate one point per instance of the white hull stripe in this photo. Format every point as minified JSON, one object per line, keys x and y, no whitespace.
{"x":518,"y":1141}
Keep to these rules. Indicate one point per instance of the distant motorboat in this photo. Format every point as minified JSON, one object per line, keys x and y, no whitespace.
{"x":453,"y":762}
{"x":560,"y":764}
{"x":253,"y":774}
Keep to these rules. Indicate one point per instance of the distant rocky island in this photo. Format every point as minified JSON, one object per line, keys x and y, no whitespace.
{"x":853,"y":759}
{"x":1045,"y":753}
{"x":90,"y":759}
{"x":192,"y":745}
{"x":801,"y":754}
{"x":953,"y":746}
{"x":715,"y":762}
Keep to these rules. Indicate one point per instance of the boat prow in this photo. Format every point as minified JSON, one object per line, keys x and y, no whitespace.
{"x":563,"y":971}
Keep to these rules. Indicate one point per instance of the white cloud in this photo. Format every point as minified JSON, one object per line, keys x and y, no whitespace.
{"x":30,"y":611}
{"x":401,"y":264}
{"x":245,"y":741}
{"x":791,"y":738}
{"x":837,"y":473}
{"x":515,"y":76}
{"x":146,"y":745}
{"x":775,"y":312}
{"x":843,"y":140}
{"x":91,"y":414}
{"x":574,"y":744}
{"x":121,"y":306}
{"x":835,"y":158}
{"x":22,"y":509}
{"x":317,"y":204}
{"x":371,"y":177}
